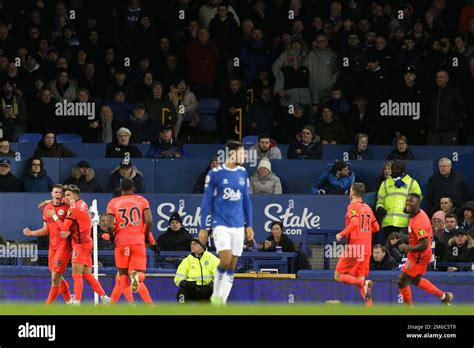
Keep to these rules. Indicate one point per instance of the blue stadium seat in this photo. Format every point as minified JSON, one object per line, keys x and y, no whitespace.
{"x":68,"y":138}
{"x":250,"y":139}
{"x":30,"y":138}
{"x":207,"y":111}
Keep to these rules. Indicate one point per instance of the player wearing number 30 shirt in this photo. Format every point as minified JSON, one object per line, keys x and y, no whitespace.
{"x":130,"y":223}
{"x":353,"y":267}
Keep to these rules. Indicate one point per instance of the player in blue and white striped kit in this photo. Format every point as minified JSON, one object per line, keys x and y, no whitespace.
{"x":226,"y":199}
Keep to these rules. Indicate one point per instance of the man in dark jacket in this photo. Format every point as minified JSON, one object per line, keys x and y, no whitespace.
{"x":233,"y":98}
{"x":176,"y":238}
{"x":83,"y":177}
{"x":460,"y":249}
{"x":306,"y":145}
{"x":224,"y":30}
{"x":121,"y":147}
{"x":381,"y":260}
{"x":5,"y":148}
{"x":166,"y":146}
{"x":447,"y":183}
{"x":8,"y":182}
{"x":200,"y":181}
{"x":48,"y":147}
{"x":35,"y":178}
{"x":126,"y":170}
{"x":444,"y":113}
{"x":141,"y":125}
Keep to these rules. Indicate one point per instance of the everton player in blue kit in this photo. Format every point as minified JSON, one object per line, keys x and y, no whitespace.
{"x":226,"y":199}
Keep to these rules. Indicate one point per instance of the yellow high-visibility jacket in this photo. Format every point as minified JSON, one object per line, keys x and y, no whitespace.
{"x":393,"y":200}
{"x":198,"y":269}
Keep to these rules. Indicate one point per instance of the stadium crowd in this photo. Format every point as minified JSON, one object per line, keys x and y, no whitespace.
{"x":304,"y":73}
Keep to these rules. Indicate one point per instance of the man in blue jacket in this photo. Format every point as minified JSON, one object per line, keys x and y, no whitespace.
{"x":337,"y":179}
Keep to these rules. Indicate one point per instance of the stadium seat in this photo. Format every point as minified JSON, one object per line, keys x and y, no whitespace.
{"x":30,"y":137}
{"x":207,"y":110}
{"x":67,"y":138}
{"x":250,"y":139}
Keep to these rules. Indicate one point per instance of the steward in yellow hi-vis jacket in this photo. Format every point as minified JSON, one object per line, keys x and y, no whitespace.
{"x":392,"y":195}
{"x":195,"y":274}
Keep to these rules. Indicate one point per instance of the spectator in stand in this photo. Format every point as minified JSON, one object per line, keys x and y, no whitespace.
{"x":208,"y":11}
{"x":467,"y":85}
{"x":291,"y":123}
{"x":361,"y":151}
{"x":200,"y":181}
{"x":186,"y":105}
{"x":264,"y":181}
{"x":331,"y":130}
{"x":176,"y":237}
{"x":5,"y":149}
{"x":439,"y":227}
{"x":224,"y":30}
{"x":8,"y":182}
{"x":120,"y":83}
{"x":446,"y":204}
{"x":121,"y":147}
{"x":202,"y":57}
{"x":254,"y":57}
{"x":391,"y":245}
{"x":338,"y":103}
{"x":232,"y":99}
{"x":125,"y":170}
{"x":401,"y":152}
{"x":360,"y":118}
{"x":386,"y":172}
{"x":337,"y":179}
{"x":42,"y":114}
{"x":171,"y":73}
{"x":63,"y":87}
{"x":445,"y":111}
{"x":265,"y":148}
{"x":160,"y":108}
{"x":120,"y":108}
{"x":35,"y":178}
{"x":467,"y":211}
{"x":450,"y":227}
{"x":306,"y":145}
{"x":381,"y":259}
{"x":104,"y":242}
{"x":108,"y":126}
{"x":278,"y":239}
{"x":141,"y":125}
{"x":14,"y":115}
{"x":261,"y":117}
{"x":323,"y":70}
{"x":48,"y":147}
{"x":460,"y":250}
{"x":447,"y":183}
{"x":166,"y":146}
{"x":390,"y":207}
{"x":295,"y":46}
{"x":83,"y":176}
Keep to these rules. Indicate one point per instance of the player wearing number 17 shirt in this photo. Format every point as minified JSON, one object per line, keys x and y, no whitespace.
{"x":353,"y":266}
{"x":130,"y":224}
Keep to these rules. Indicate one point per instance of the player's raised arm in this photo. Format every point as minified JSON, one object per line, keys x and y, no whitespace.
{"x":40,"y":232}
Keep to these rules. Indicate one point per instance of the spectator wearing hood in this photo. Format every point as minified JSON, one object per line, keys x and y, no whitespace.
{"x":467,"y":212}
{"x":391,"y":245}
{"x":460,"y":249}
{"x":447,"y":183}
{"x":381,"y":260}
{"x":392,"y":194}
{"x":200,"y":181}
{"x":329,"y":128}
{"x":176,"y":238}
{"x":264,"y":181}
{"x":125,"y":170}
{"x":254,"y":57}
{"x":8,"y":182}
{"x":266,"y":148}
{"x":401,"y":152}
{"x":121,"y":147}
{"x":224,"y":30}
{"x":141,"y":125}
{"x":166,"y":146}
{"x":48,"y":147}
{"x":83,"y":176}
{"x":195,"y":274}
{"x":361,"y":151}
{"x":336,"y":179}
{"x":306,"y":145}
{"x":35,"y":178}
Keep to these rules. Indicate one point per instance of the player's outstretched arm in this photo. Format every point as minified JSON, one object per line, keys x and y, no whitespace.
{"x":40,"y":232}
{"x":420,"y":246}
{"x":351,"y":228}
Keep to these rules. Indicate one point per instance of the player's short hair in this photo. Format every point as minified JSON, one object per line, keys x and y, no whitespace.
{"x":233,"y":145}
{"x":127,"y":185}
{"x":451,"y":216}
{"x":358,"y":188}
{"x":59,"y":186}
{"x":72,"y":188}
{"x":415,"y":195}
{"x":381,"y":247}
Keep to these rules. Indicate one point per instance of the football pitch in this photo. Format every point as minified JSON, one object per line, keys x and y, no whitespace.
{"x":234,"y":309}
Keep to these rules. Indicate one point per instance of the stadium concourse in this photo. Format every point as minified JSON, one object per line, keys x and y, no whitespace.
{"x":322,"y":94}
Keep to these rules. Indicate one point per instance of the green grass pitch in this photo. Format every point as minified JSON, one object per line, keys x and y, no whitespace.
{"x":234,"y":309}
